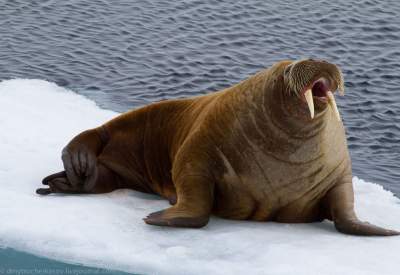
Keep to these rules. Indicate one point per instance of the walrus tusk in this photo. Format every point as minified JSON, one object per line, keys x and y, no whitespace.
{"x":310,"y":102}
{"x":332,"y":103}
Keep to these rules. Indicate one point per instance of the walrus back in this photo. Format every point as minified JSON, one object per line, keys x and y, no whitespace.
{"x":153,"y":134}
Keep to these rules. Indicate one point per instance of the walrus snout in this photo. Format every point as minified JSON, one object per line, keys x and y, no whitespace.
{"x":303,"y":74}
{"x":315,"y":81}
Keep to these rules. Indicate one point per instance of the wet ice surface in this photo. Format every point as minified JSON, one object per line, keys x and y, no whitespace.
{"x":128,"y":53}
{"x":107,"y":230}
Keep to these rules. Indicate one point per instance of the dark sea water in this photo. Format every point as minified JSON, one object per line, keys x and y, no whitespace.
{"x":125,"y":53}
{"x":19,"y":263}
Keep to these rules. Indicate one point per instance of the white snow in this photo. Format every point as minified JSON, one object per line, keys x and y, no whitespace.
{"x":38,"y":118}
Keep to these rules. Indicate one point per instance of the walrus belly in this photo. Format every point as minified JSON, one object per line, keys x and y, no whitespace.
{"x":257,"y":186}
{"x":239,"y":200}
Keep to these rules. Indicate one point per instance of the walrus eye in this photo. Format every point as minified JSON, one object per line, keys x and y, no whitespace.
{"x":287,"y":70}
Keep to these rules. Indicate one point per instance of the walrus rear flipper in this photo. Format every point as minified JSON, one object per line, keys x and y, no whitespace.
{"x":103,"y":181}
{"x":340,"y":204}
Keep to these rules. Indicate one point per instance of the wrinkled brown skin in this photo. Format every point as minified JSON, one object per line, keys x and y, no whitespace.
{"x":249,"y":152}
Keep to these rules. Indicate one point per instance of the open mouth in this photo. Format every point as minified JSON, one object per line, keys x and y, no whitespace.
{"x":320,"y":91}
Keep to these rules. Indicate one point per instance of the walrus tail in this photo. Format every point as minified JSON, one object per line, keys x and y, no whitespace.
{"x":359,"y":228}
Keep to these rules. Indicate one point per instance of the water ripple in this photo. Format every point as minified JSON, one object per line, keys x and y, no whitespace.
{"x":128,"y":53}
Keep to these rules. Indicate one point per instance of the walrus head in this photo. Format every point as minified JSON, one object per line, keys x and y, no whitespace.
{"x":314,"y":82}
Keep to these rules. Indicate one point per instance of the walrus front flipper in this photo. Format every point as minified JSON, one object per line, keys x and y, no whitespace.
{"x":356,"y":227}
{"x":340,"y":203}
{"x":193,"y":207}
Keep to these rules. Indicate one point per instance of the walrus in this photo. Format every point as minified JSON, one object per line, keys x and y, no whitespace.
{"x":271,"y":148}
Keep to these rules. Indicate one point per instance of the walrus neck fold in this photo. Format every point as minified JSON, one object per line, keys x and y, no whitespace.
{"x":264,"y":97}
{"x":294,"y":115}
{"x":288,"y":113}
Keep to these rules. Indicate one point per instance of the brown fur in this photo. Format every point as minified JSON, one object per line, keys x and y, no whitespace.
{"x":249,"y":152}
